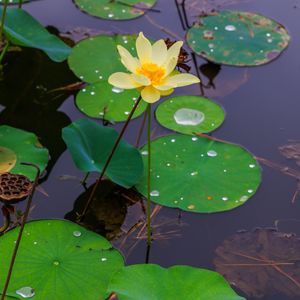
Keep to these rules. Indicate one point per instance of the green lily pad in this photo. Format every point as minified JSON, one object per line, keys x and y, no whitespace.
{"x":8,"y":159}
{"x":23,"y":30}
{"x":190,"y":114}
{"x":96,"y":58}
{"x":25,"y":147}
{"x":116,"y":9}
{"x":101,"y":100}
{"x":238,"y":38}
{"x":90,"y":145}
{"x":200,"y":174}
{"x":58,"y":260}
{"x":177,"y":282}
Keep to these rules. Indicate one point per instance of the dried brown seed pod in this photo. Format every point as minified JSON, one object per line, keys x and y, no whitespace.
{"x":14,"y":188}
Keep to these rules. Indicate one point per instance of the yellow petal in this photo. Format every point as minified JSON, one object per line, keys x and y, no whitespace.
{"x":170,"y":66}
{"x":159,"y":52}
{"x":174,"y":50}
{"x":130,"y":62}
{"x":166,"y":92}
{"x":144,"y":49}
{"x":141,"y":79}
{"x":123,"y":81}
{"x":181,"y":80}
{"x":150,"y":94}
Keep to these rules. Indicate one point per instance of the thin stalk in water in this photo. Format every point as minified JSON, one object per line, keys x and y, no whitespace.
{"x":3,"y":18}
{"x":4,"y":50}
{"x":20,"y":3}
{"x":149,"y":233}
{"x":24,"y":220}
{"x":89,"y":201}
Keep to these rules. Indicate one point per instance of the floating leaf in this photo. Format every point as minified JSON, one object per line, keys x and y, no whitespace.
{"x":116,"y":9}
{"x":58,"y":260}
{"x":238,"y":38}
{"x":260,"y":263}
{"x":101,"y":100}
{"x":200,"y":174}
{"x":90,"y":145}
{"x":25,"y":147}
{"x":23,"y":30}
{"x":96,"y":58}
{"x":8,"y":159}
{"x":177,"y":282}
{"x":190,"y":114}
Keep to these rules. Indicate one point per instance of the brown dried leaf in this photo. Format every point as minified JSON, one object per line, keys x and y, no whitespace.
{"x":262,"y":262}
{"x":291,"y":151}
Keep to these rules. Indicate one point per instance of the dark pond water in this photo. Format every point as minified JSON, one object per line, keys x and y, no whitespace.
{"x":262,"y":106}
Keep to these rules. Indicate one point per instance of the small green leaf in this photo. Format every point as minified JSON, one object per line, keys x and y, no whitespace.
{"x":115,"y":10}
{"x":190,"y":114}
{"x":58,"y":260}
{"x":23,"y":30}
{"x":25,"y":147}
{"x":238,"y":38}
{"x":101,"y":100}
{"x":90,"y":145}
{"x":152,"y":282}
{"x":200,"y":174}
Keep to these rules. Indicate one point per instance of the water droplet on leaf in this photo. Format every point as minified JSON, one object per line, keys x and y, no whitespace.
{"x":188,"y":117}
{"x":26,"y":292}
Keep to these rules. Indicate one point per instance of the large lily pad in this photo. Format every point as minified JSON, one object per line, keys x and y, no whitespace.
{"x":101,"y":100}
{"x":179,"y":282}
{"x":23,"y":30}
{"x":21,"y":146}
{"x":96,"y":58}
{"x":238,"y":38}
{"x":263,"y":262}
{"x":190,"y":114}
{"x":200,"y":174}
{"x":90,"y":145}
{"x":115,"y":10}
{"x":58,"y":260}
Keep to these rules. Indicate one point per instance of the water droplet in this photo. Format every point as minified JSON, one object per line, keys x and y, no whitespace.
{"x":191,"y":206}
{"x":216,"y":28}
{"x":194,"y":138}
{"x":77,"y":233}
{"x":117,"y":90}
{"x":244,"y":198}
{"x":211,"y":45}
{"x":84,"y":90}
{"x":154,"y":193}
{"x":34,"y":243}
{"x":268,"y":34}
{"x":181,"y":198}
{"x":26,"y":292}
{"x":194,"y":173}
{"x":230,"y":28}
{"x":175,"y":201}
{"x":157,"y":176}
{"x":56,"y":263}
{"x":144,"y":152}
{"x":92,"y":161}
{"x":96,"y":71}
{"x":251,"y":166}
{"x":110,"y":15}
{"x":224,"y":198}
{"x":92,"y":93}
{"x":103,"y":259}
{"x":250,"y":191}
{"x":188,"y":117}
{"x":173,"y":140}
{"x":224,"y":170}
{"x":270,"y":40}
{"x":212,"y":153}
{"x":208,"y":34}
{"x":168,"y":164}
{"x":126,"y":113}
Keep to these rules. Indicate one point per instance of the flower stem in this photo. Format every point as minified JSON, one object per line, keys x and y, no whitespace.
{"x":3,"y":18}
{"x":20,"y":3}
{"x":149,"y":231}
{"x":4,"y":50}
{"x":24,"y":220}
{"x":115,"y":146}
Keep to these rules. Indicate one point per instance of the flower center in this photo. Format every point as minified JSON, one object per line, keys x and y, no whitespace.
{"x":154,"y":72}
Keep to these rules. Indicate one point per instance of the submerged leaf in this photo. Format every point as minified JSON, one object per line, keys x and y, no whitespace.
{"x":58,"y":260}
{"x":90,"y":145}
{"x":262,"y":262}
{"x":200,"y":174}
{"x":23,"y":30}
{"x":178,"y":282}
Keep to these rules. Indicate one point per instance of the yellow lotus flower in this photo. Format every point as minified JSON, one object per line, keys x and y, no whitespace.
{"x":152,"y":72}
